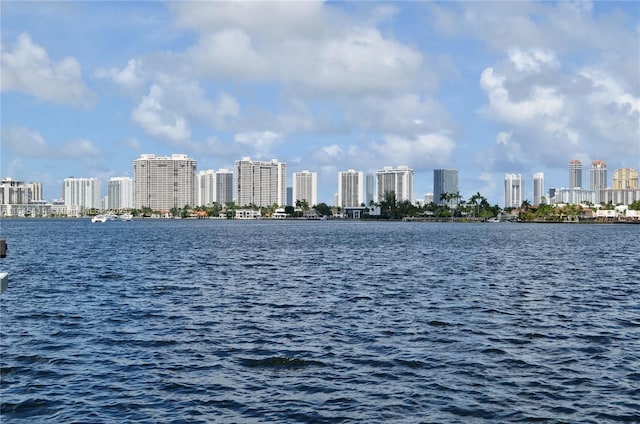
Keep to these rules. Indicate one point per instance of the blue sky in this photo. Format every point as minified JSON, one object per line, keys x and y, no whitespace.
{"x":487,"y":88}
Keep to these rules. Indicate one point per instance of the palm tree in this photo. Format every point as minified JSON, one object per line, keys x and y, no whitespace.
{"x":475,"y":199}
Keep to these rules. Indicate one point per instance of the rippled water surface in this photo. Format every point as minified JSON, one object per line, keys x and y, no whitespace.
{"x":227,"y":321}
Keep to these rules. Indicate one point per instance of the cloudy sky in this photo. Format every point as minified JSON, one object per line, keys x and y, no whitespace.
{"x":487,"y":88}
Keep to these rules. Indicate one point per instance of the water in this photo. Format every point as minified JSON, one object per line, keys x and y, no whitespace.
{"x":227,"y":321}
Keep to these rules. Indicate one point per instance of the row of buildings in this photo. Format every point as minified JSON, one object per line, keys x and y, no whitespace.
{"x":625,"y":189}
{"x":167,"y":182}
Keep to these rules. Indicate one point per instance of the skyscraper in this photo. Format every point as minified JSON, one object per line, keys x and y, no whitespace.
{"x":163,"y":183}
{"x":83,"y":192}
{"x":398,"y":181}
{"x":261,"y":183}
{"x":206,"y":188}
{"x":350,"y":188}
{"x":444,"y":181}
{"x":13,"y":192}
{"x":305,"y":187}
{"x":224,"y":186}
{"x":538,"y":188}
{"x":370,"y":188}
{"x":120,"y":193}
{"x":624,"y":178}
{"x":513,"y":190}
{"x":598,"y":177}
{"x":34,"y":192}
{"x":575,"y":174}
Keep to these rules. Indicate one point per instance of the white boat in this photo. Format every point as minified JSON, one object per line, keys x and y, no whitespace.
{"x":99,"y":218}
{"x":126,"y":217}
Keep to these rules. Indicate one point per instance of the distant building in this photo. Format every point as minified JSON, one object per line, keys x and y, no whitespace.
{"x":575,"y":174}
{"x":370,"y":188}
{"x":305,"y":187}
{"x":289,"y":196}
{"x":224,"y":186}
{"x":164,"y":183}
{"x":261,"y":183}
{"x":120,"y":193}
{"x":624,"y":178}
{"x":513,"y":190}
{"x":598,"y":177}
{"x":82,"y":192}
{"x":574,"y":196}
{"x":428,"y":198}
{"x":445,"y":181}
{"x":350,"y":188}
{"x":206,"y":187}
{"x":538,"y":188}
{"x":398,"y":180}
{"x":13,"y":192}
{"x":34,"y":192}
{"x":619,"y":196}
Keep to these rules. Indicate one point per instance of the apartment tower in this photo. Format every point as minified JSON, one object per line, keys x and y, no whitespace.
{"x":513,"y":190}
{"x":538,"y":188}
{"x":350,"y":188}
{"x":224,"y":186}
{"x":261,"y":183}
{"x":445,"y":181}
{"x":624,"y":178}
{"x":398,"y":181}
{"x":305,"y":187}
{"x":163,"y":183}
{"x":598,"y":177}
{"x":120,"y":192}
{"x":575,"y":174}
{"x":83,"y":192}
{"x":206,"y":187}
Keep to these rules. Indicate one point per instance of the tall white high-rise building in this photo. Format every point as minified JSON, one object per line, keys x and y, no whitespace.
{"x":120,"y":193}
{"x":83,"y":192}
{"x":575,"y":174}
{"x":398,"y":180}
{"x":206,"y":187}
{"x":13,"y":192}
{"x":163,"y":183}
{"x":445,"y":181}
{"x":261,"y":183}
{"x":513,"y":190}
{"x":305,"y":187}
{"x":224,"y":186}
{"x":598,"y":177}
{"x":538,"y":188}
{"x":350,"y":188}
{"x":34,"y":192}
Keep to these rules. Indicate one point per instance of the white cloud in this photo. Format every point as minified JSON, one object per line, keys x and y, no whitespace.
{"x":555,"y":113}
{"x":261,"y":143}
{"x":27,"y":68}
{"x":23,"y":141}
{"x":421,"y":152}
{"x":229,"y":54}
{"x":155,"y":119}
{"x":402,"y":113}
{"x":131,"y":78}
{"x":79,"y":149}
{"x":532,"y":60}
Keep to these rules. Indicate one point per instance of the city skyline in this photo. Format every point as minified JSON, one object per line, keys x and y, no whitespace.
{"x":483,"y":88}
